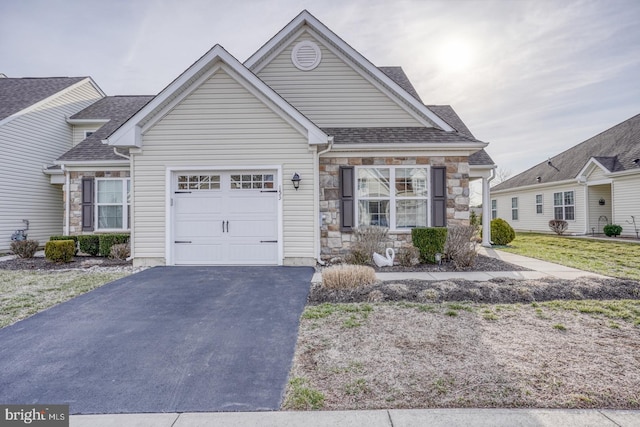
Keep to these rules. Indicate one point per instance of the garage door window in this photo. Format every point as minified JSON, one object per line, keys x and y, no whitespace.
{"x":198,"y":182}
{"x":252,"y":181}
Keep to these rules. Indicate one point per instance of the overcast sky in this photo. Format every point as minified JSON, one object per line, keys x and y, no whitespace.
{"x":532,"y":77}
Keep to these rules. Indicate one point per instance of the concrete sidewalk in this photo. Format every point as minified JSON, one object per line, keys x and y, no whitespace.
{"x":377,"y":418}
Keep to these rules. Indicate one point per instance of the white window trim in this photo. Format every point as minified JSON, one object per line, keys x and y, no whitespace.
{"x":541,"y":204}
{"x":125,"y":223}
{"x":392,"y":197}
{"x":514,"y":209}
{"x":89,"y":132}
{"x":494,"y":212}
{"x":564,"y":206}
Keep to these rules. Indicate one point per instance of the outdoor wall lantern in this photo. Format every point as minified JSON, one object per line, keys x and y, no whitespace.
{"x":296,"y":181}
{"x":601,"y":202}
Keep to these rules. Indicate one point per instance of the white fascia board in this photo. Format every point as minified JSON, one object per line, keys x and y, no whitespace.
{"x":472,"y":147}
{"x":33,"y":107}
{"x":305,"y":18}
{"x":47,"y":171}
{"x":88,"y":121}
{"x":624,"y":173}
{"x":547,"y":185}
{"x":91,"y":163}
{"x":131,"y":136}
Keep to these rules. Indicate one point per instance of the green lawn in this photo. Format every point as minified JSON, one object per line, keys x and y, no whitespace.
{"x":24,"y":293}
{"x":617,"y":259}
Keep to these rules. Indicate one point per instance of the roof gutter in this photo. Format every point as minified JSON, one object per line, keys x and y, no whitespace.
{"x":409,"y":146}
{"x":117,"y":153}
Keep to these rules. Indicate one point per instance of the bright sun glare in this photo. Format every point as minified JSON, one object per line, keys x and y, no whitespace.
{"x":456,"y":55}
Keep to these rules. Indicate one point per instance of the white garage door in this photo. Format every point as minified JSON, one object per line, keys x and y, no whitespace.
{"x":225,"y":218}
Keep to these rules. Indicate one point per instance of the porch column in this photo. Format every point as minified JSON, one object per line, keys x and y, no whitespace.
{"x":486,"y":213}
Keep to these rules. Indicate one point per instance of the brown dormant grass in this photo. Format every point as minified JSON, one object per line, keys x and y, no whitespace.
{"x":348,"y":276}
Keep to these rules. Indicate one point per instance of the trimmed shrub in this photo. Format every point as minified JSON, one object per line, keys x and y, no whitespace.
{"x":612,"y":230}
{"x":367,"y":240}
{"x":89,"y":244}
{"x":108,"y":240}
{"x":120,"y":251}
{"x":559,"y":226}
{"x":348,"y":276}
{"x":74,"y":238}
{"x":24,"y":248}
{"x":60,"y":250}
{"x":501,"y":232}
{"x":460,"y":246}
{"x":429,"y":242}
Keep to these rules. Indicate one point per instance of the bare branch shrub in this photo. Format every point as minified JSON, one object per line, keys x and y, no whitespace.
{"x":408,"y":256}
{"x":24,"y":248}
{"x":120,"y":251}
{"x":460,"y":246}
{"x":558,"y":226}
{"x":367,"y":240}
{"x":348,"y":276}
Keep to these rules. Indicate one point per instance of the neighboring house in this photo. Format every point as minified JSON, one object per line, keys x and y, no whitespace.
{"x":33,"y":132}
{"x":274,"y":161}
{"x":589,"y":185}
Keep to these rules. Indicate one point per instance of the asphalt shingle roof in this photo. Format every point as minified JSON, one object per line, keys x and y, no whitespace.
{"x":394,"y":135}
{"x":398,"y":75}
{"x":616,"y":149}
{"x":116,"y":108}
{"x":16,"y":94}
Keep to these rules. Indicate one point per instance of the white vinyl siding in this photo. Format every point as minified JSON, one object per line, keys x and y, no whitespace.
{"x":79,"y":132}
{"x":219,"y":125}
{"x":626,"y":202}
{"x":529,"y":220}
{"x":599,"y":215}
{"x":597,"y":174}
{"x":333,"y":94}
{"x":29,"y":142}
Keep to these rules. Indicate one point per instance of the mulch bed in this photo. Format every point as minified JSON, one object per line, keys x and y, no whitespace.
{"x":78,"y":262}
{"x":483,"y":263}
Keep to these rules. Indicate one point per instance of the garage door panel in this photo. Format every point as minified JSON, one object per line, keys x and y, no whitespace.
{"x":235,"y":223}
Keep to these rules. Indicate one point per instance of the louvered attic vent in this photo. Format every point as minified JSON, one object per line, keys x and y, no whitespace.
{"x":306,"y":55}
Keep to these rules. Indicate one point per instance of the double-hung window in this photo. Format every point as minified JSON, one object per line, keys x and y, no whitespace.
{"x":113,"y":203}
{"x":539,"y":207}
{"x":514,"y":208}
{"x":494,"y":209}
{"x":564,"y":206}
{"x":393,"y":197}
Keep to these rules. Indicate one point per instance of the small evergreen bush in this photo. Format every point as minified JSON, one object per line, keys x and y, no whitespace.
{"x":501,"y":232}
{"x":24,"y":248}
{"x":74,"y":238}
{"x":108,"y":240}
{"x":612,"y":230}
{"x":60,"y":250}
{"x":429,"y":242}
{"x":89,"y":244}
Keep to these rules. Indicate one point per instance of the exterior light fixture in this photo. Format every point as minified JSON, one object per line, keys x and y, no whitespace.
{"x":296,"y":181}
{"x":538,"y":179}
{"x":601,"y":202}
{"x":438,"y":258}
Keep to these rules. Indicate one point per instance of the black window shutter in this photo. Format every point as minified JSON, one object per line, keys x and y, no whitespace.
{"x":347,"y":211}
{"x":87,"y":204}
{"x":439,"y":196}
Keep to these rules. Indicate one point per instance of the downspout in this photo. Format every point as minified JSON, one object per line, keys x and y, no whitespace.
{"x":486,"y":209}
{"x":317,"y":201}
{"x":117,"y":153}
{"x":67,"y":200}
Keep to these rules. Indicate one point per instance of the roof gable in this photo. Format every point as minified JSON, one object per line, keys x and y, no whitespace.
{"x":363,"y":66}
{"x":130,"y":133}
{"x":22,"y":94}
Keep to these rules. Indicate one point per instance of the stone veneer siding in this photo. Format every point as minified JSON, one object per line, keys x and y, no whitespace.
{"x":335,"y":243}
{"x":75,"y":191}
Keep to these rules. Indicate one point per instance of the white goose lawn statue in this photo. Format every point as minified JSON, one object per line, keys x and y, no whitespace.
{"x":387,"y":261}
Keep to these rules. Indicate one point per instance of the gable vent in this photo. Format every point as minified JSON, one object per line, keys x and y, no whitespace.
{"x":306,"y":55}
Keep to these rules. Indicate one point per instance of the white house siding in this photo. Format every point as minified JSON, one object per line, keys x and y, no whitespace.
{"x":597,"y":174}
{"x":28,"y":142}
{"x":333,"y":94}
{"x":221,"y":124}
{"x":528,"y":220}
{"x":79,"y":132}
{"x":597,"y":212}
{"x":627,"y":203}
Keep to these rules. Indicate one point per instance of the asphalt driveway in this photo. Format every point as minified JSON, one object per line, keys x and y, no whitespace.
{"x":168,"y":339}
